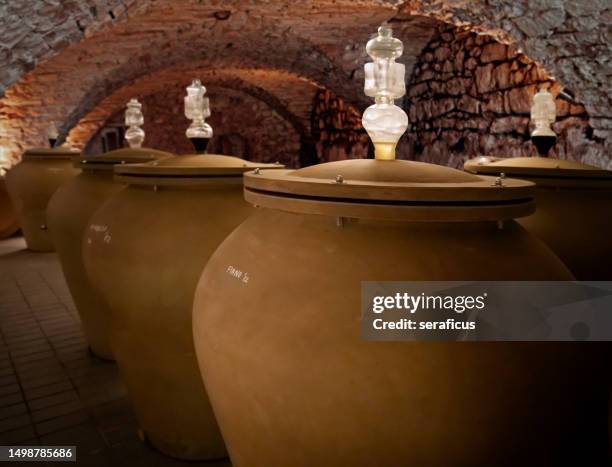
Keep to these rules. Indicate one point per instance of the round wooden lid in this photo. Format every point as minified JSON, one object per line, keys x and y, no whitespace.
{"x":57,"y":153}
{"x":106,"y":161}
{"x":394,"y":190}
{"x":189,"y":170}
{"x":545,"y":171}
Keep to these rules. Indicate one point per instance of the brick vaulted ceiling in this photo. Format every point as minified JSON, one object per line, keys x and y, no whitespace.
{"x":289,"y":94}
{"x":76,"y":62}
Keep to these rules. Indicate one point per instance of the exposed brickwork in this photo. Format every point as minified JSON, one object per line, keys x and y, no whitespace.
{"x":243,"y":126}
{"x":289,"y":95}
{"x":61,"y":60}
{"x":571,"y":39}
{"x":321,"y":41}
{"x":471,"y":95}
{"x":35,"y":30}
{"x":336,"y":129}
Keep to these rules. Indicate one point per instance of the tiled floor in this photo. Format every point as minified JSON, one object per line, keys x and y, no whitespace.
{"x":52,"y":391}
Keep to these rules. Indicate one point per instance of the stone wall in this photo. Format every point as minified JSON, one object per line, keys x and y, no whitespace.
{"x":289,"y":95}
{"x":336,"y":129}
{"x":147,"y":37}
{"x":468,"y":95}
{"x":61,"y":60}
{"x":243,"y":126}
{"x":34,"y":30}
{"x":570,"y":38}
{"x":246,"y":127}
{"x":471,"y":95}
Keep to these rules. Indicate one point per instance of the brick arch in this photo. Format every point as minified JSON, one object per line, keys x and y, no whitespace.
{"x":470,"y":95}
{"x":33,"y":103}
{"x":58,"y":62}
{"x":156,"y":35}
{"x":269,"y":137}
{"x":36,"y":31}
{"x":286,"y":93}
{"x":270,"y":99}
{"x":559,"y":35}
{"x":570,"y":40}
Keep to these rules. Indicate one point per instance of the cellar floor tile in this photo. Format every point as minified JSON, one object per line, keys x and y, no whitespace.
{"x":52,"y":391}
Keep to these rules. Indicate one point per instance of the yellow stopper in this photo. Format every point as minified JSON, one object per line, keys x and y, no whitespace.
{"x":384,"y":151}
